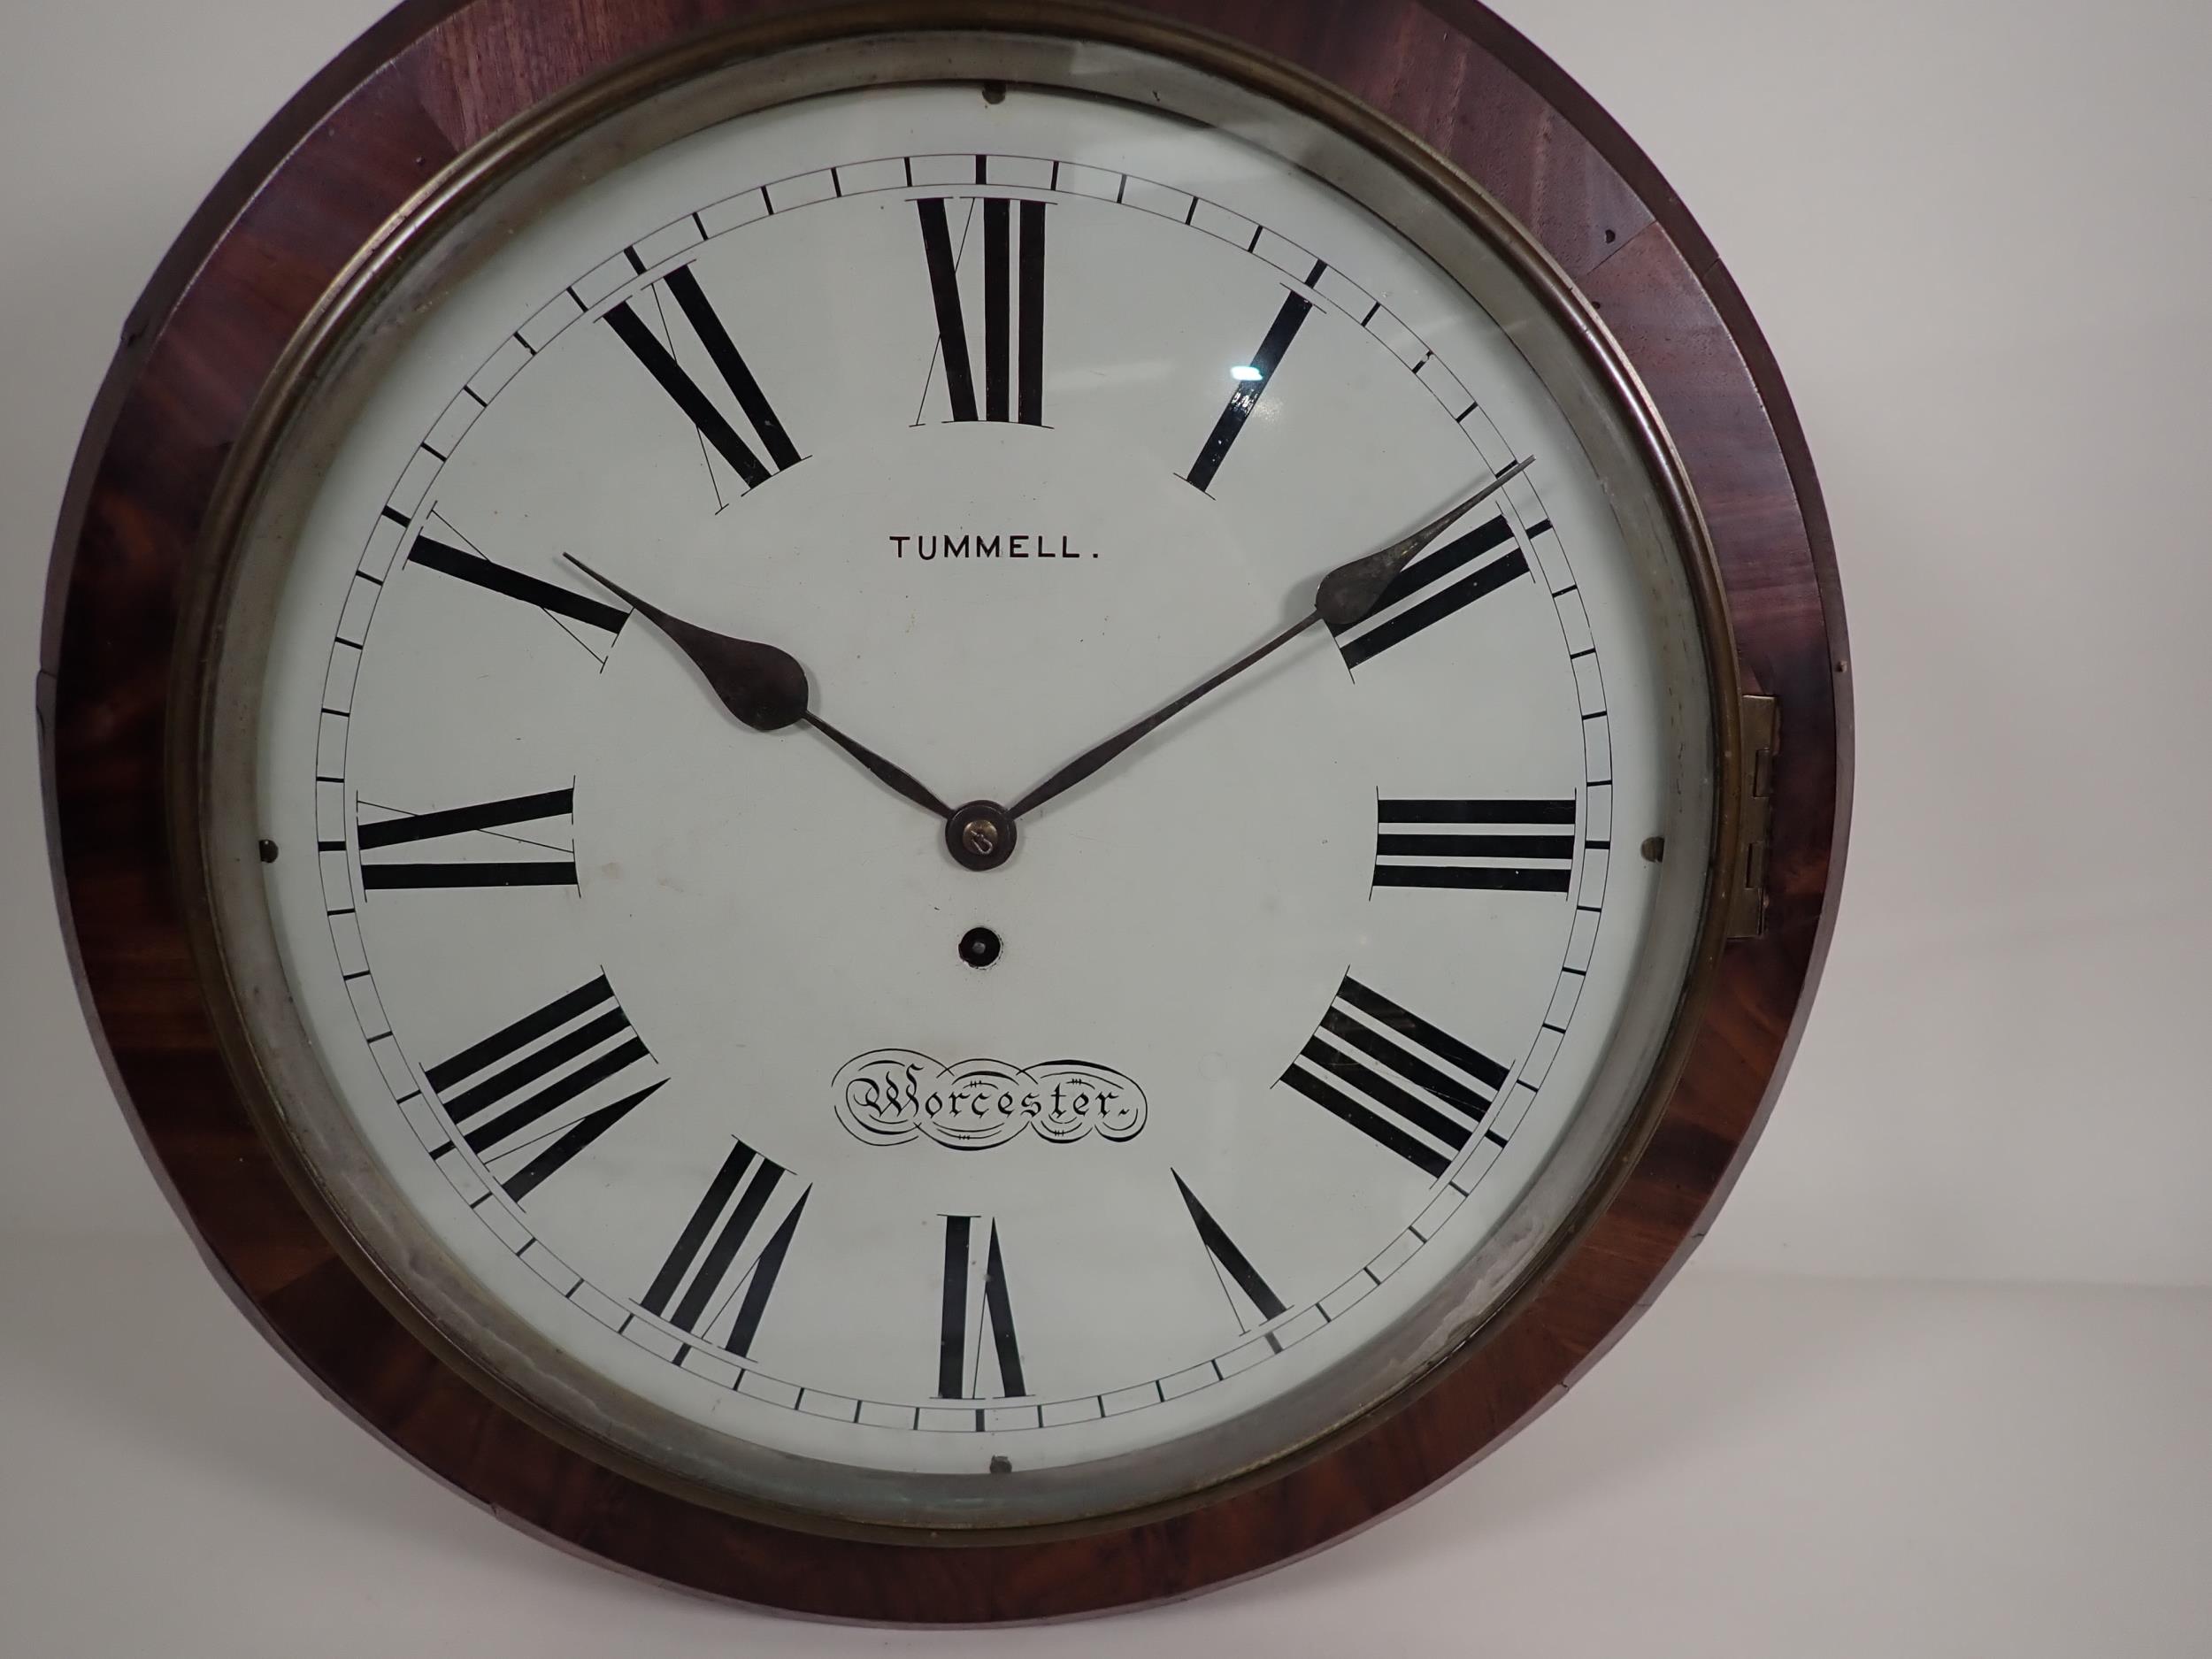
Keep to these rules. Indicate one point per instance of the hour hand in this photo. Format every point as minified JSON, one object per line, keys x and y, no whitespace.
{"x":764,"y":688}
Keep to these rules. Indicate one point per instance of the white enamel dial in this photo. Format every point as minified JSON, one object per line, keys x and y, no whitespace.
{"x":1010,"y":419}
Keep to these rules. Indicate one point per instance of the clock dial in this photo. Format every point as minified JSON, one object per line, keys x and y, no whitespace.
{"x":1203,"y":1105}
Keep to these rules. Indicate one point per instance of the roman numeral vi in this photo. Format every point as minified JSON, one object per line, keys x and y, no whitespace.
{"x":956,"y":1379}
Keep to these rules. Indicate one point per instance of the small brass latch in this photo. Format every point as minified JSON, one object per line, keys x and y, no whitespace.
{"x":1761,"y":737}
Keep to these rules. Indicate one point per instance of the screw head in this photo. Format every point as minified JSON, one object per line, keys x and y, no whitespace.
{"x":980,"y":836}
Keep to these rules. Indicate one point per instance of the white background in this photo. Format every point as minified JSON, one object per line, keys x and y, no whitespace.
{"x":1941,"y":1380}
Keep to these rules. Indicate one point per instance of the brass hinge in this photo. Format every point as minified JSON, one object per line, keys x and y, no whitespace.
{"x":1761,"y":739}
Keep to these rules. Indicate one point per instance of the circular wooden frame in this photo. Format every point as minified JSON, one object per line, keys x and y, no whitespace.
{"x":433,"y":78}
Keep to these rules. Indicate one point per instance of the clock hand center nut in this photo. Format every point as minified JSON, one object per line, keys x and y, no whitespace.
{"x":981,"y":835}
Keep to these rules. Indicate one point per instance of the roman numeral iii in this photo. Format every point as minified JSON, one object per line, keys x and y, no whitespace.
{"x":1013,"y":308}
{"x":959,"y":1378}
{"x":1437,"y":588}
{"x":1505,"y":846}
{"x":659,"y":361}
{"x":503,"y":1093}
{"x":491,"y":819}
{"x":1399,"y":1080}
{"x":698,"y":1281}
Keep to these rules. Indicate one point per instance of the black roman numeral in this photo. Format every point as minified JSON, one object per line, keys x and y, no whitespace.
{"x":1013,"y":310}
{"x":480,"y":571}
{"x":564,"y":1147}
{"x":1431,"y":579}
{"x":1253,"y":379}
{"x":506,"y":1085}
{"x":1396,"y":1078}
{"x":1235,"y":1267}
{"x":491,"y":817}
{"x":1520,"y":846}
{"x":713,"y":425}
{"x":957,"y":1379}
{"x":709,"y":1267}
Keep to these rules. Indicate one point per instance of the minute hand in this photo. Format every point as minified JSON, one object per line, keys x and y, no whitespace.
{"x":1346,"y":596}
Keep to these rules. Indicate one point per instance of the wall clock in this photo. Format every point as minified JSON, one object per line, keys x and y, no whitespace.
{"x":945,"y":811}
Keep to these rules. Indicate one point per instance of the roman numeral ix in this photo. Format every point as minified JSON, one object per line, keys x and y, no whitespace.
{"x":499,"y":1092}
{"x":490,"y":819}
{"x":1506,"y":845}
{"x":689,"y":1291}
{"x":1252,"y":381}
{"x":1013,"y":309}
{"x":1436,"y":589}
{"x":957,"y":1376}
{"x":714,"y":427}
{"x":1396,"y":1078}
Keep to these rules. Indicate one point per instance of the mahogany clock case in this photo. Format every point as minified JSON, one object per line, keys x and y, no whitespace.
{"x":317,"y":187}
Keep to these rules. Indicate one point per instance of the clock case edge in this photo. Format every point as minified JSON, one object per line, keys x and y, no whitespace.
{"x":407,"y":98}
